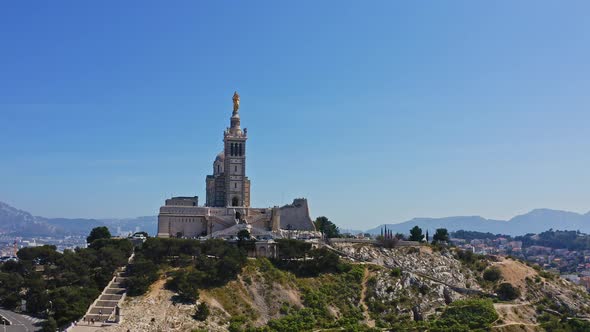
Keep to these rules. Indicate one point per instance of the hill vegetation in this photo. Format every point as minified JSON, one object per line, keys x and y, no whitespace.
{"x":430,"y":288}
{"x":61,"y":286}
{"x":315,"y":289}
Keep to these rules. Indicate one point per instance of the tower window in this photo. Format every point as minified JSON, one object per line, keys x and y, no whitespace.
{"x":240,"y":149}
{"x":235,"y":168}
{"x":235,"y":184}
{"x":231,"y":149}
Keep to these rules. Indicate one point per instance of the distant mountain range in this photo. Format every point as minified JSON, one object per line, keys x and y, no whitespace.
{"x":536,"y":221}
{"x":21,"y":223}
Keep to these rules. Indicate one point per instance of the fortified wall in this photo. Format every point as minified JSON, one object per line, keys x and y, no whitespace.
{"x":295,"y":216}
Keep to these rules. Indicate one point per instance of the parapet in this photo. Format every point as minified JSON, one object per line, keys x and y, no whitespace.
{"x":183,"y":201}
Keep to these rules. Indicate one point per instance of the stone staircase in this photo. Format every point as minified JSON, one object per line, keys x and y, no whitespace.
{"x":105,"y":310}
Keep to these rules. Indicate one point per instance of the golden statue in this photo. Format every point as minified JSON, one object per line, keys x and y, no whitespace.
{"x":236,"y":100}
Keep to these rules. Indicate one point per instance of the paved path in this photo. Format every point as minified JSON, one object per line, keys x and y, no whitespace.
{"x":20,"y":323}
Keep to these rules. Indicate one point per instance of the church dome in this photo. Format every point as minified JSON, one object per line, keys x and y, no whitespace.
{"x":220,"y":156}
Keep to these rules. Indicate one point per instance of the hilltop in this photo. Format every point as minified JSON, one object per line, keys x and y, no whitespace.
{"x":404,"y":288}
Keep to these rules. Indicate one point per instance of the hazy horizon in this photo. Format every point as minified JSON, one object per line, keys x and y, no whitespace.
{"x":376,"y":114}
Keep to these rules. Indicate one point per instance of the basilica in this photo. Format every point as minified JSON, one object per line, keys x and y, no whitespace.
{"x":227,"y":205}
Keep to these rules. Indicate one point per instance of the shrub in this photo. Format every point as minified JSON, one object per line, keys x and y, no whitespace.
{"x":466,"y":315}
{"x":388,"y":242}
{"x":492,"y":274}
{"x":202,"y":312}
{"x":396,"y":272}
{"x":507,"y":292}
{"x":236,"y":323}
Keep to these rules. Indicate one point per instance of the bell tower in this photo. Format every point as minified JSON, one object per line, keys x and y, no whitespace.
{"x":237,"y":185}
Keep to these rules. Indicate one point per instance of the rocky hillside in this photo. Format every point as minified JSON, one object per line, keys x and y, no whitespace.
{"x":440,"y":278}
{"x":406,"y":288}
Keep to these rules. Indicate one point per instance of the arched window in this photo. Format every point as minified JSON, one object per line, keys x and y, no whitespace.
{"x":231,"y":149}
{"x":240,"y":149}
{"x":234,"y":201}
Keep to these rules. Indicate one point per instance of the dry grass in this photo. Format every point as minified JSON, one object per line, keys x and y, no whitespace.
{"x":515,"y":272}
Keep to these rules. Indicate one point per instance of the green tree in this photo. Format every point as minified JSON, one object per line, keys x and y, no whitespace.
{"x":50,"y":325}
{"x":328,"y":228}
{"x":290,"y":248}
{"x":186,"y":283}
{"x":142,"y":273}
{"x":441,"y":235}
{"x":321,"y":261}
{"x":64,"y":284}
{"x":42,"y":255}
{"x":101,"y":232}
{"x":416,"y":234}
{"x":36,"y":295}
{"x":507,"y":292}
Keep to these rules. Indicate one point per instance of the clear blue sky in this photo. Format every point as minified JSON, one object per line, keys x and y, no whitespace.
{"x":375,"y":111}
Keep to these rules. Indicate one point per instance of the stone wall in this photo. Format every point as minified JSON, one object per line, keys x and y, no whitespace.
{"x":183,"y":201}
{"x":296,"y":216}
{"x":189,"y":227}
